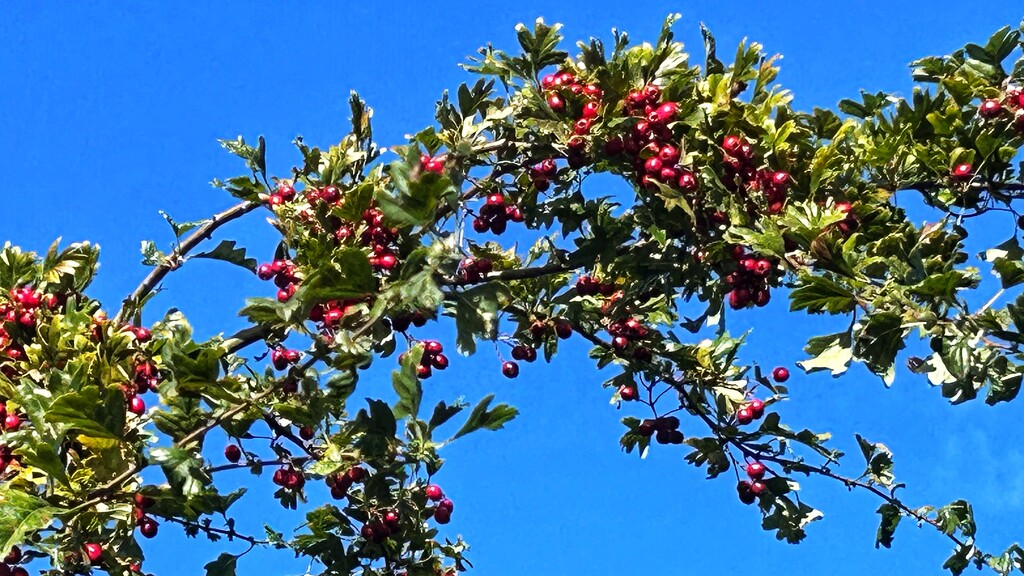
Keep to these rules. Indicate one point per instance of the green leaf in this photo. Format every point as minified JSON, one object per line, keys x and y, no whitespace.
{"x":89,"y":411}
{"x":834,"y":356}
{"x":708,"y":451}
{"x":184,"y":470}
{"x":22,"y":515}
{"x":227,"y":252}
{"x":443,"y":413}
{"x":879,"y":340}
{"x":481,"y":417}
{"x":407,"y":384}
{"x":818,"y":294}
{"x":878,"y":458}
{"x":349,"y":277}
{"x":887,"y":528}
{"x":476,"y":314}
{"x":151,"y":256}
{"x":224,"y":565}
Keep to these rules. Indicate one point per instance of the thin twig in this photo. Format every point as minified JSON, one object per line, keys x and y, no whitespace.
{"x":174,"y":259}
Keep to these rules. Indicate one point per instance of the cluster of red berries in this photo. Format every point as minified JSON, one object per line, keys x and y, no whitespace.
{"x":10,"y":421}
{"x":327,"y":315}
{"x":567,"y":97}
{"x":443,"y":510}
{"x":380,"y":238}
{"x":665,"y":429}
{"x":749,"y":282}
{"x":289,"y":477}
{"x":650,"y":143}
{"x":590,"y":286}
{"x":625,"y":333}
{"x":147,"y":526}
{"x":401,"y":322}
{"x":749,"y":490}
{"x":433,"y":358}
{"x":495,"y":214}
{"x":741,"y":170}
{"x":1012,"y":103}
{"x":282,"y":272}
{"x":543,"y":173}
{"x":18,"y":320}
{"x":473,"y":269}
{"x":282,"y":358}
{"x":10,"y":567}
{"x":562,"y":328}
{"x":283,"y":193}
{"x":146,"y":377}
{"x":752,"y":411}
{"x":381,"y":527}
{"x":340,"y":483}
{"x":434,"y":165}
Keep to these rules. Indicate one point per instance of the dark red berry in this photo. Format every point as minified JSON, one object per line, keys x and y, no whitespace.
{"x":510,"y":369}
{"x":232,"y":453}
{"x":780,"y":374}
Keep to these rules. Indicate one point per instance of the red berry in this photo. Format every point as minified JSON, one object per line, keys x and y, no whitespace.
{"x":442,"y":515}
{"x":687,"y":181}
{"x":356,"y":473}
{"x":744,"y":415}
{"x":232,"y":453}
{"x":563,"y":329}
{"x":780,"y":374}
{"x":627,"y":393}
{"x":755,"y":470}
{"x":745,"y":493}
{"x":667,"y":111}
{"x":391,"y":519}
{"x":556,"y":103}
{"x":387,"y":261}
{"x":446,"y":504}
{"x":757,"y":408}
{"x":12,"y":422}
{"x":510,"y":369}
{"x":669,"y":154}
{"x":732,"y":144}
{"x":306,"y":432}
{"x":14,"y":556}
{"x":519,"y":352}
{"x":581,"y":127}
{"x":591,"y":91}
{"x":780,"y":178}
{"x":590,"y":109}
{"x":963,"y":171}
{"x":137,"y":406}
{"x":548,"y":81}
{"x":990,"y":108}
{"x":434,"y":493}
{"x":148,"y":527}
{"x":265,"y":272}
{"x":93,"y":551}
{"x":653,"y":165}
{"x":758,"y":488}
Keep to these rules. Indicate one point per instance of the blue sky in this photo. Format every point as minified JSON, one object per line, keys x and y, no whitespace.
{"x":111,"y":112}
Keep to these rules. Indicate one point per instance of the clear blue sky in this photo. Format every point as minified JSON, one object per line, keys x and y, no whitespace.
{"x":109,"y":112}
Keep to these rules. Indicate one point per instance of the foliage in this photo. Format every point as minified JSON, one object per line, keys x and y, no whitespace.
{"x":734,"y":195}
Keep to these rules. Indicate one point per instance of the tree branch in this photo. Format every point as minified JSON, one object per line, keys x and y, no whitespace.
{"x":173,"y":260}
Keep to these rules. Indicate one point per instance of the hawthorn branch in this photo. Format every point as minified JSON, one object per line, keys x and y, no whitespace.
{"x":174,"y":259}
{"x":230,"y":534}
